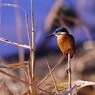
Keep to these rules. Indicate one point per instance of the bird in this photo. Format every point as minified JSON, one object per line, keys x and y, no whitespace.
{"x":65,"y":41}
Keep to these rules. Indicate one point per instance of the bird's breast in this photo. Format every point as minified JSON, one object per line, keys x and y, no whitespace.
{"x":65,"y":44}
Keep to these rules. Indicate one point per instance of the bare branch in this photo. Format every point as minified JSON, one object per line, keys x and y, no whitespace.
{"x":14,"y":43}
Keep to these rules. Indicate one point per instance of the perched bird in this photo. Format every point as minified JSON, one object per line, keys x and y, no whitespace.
{"x":66,"y":41}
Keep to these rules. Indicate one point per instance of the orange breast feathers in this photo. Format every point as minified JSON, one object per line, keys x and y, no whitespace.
{"x":66,"y":44}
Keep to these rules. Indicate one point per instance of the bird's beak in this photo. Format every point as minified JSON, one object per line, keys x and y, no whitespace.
{"x":51,"y":35}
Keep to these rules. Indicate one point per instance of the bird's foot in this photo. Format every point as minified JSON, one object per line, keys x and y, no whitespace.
{"x":68,"y":70}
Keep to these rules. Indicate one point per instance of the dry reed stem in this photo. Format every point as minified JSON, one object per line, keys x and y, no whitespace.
{"x":16,"y":64}
{"x":33,"y":39}
{"x":2,"y":81}
{"x":13,"y":5}
{"x":82,"y":61}
{"x":18,"y":67}
{"x":54,"y":68}
{"x":31,"y":64}
{"x":19,"y":32}
{"x":28,"y":31}
{"x":26,"y":93}
{"x":69,"y":74}
{"x":14,"y":43}
{"x":8,"y":91}
{"x":53,"y":78}
{"x":23,"y":81}
{"x":32,"y":52}
{"x":8,"y":66}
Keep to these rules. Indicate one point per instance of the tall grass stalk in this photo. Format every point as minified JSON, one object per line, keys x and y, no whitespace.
{"x":19,"y":37}
{"x":53,"y":77}
{"x":32,"y":50}
{"x":23,"y":81}
{"x":19,"y":32}
{"x":33,"y":40}
{"x":30,"y":65}
{"x":69,"y":74}
{"x":54,"y":68}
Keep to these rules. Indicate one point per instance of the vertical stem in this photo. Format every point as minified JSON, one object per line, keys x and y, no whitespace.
{"x":19,"y":32}
{"x":33,"y":47}
{"x":19,"y":36}
{"x":31,"y":66}
{"x":54,"y":68}
{"x":33,"y":40}
{"x":53,"y":78}
{"x":69,"y":73}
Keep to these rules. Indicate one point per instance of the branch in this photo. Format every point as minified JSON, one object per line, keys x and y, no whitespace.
{"x":14,"y":43}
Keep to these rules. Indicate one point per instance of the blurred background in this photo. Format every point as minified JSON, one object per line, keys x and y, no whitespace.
{"x":78,"y":16}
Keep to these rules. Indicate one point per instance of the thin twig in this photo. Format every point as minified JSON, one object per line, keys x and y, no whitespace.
{"x":14,"y":43}
{"x":17,"y":67}
{"x":13,"y":5}
{"x":55,"y":67}
{"x":69,"y":74}
{"x":30,"y":67}
{"x":32,"y":50}
{"x":19,"y":32}
{"x":33,"y":47}
{"x":33,"y":39}
{"x":23,"y":81}
{"x":2,"y":81}
{"x":53,"y":78}
{"x":9,"y":92}
{"x":13,"y":65}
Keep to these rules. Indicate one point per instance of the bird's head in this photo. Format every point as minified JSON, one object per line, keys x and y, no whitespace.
{"x":59,"y":31}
